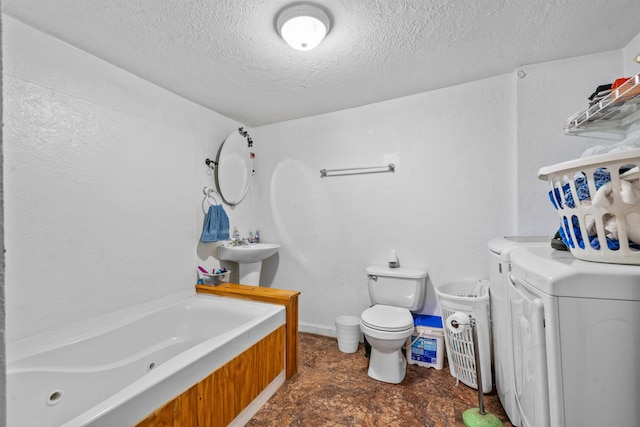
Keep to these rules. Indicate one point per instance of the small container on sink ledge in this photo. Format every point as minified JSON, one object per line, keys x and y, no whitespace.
{"x":217,"y":277}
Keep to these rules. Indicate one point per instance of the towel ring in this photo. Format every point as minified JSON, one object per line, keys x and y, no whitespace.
{"x":209,"y":195}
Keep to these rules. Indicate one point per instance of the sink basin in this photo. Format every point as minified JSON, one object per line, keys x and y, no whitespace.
{"x":253,"y":252}
{"x":249,"y":258}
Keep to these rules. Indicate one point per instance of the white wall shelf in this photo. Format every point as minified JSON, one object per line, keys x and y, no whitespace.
{"x":613,"y":116}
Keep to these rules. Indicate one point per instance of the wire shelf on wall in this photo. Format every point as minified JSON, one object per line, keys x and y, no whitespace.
{"x":611,"y":117}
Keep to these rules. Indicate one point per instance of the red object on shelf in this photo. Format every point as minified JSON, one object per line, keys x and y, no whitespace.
{"x":619,"y":82}
{"x":623,"y":89}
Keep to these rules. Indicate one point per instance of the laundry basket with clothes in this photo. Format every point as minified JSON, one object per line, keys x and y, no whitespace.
{"x":597,"y":199}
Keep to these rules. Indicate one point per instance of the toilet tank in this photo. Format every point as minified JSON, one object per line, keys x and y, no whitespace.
{"x":399,"y":287}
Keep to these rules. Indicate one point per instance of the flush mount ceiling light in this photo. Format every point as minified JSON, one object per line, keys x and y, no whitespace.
{"x":637,"y":58}
{"x":303,"y":25}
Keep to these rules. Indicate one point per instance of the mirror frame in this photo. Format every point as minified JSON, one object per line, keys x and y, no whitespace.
{"x":251,"y":170}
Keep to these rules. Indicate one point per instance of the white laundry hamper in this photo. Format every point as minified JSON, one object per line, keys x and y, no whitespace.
{"x":470,"y":297}
{"x":598,"y":201}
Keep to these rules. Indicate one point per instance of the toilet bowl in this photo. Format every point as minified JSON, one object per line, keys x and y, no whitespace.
{"x":387,"y":362}
{"x":388,"y":323}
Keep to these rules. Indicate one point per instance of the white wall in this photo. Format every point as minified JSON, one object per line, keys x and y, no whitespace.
{"x":453,"y":189}
{"x":103,"y":183}
{"x":3,"y":376}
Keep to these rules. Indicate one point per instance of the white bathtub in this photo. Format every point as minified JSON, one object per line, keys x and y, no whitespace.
{"x":116,"y":374}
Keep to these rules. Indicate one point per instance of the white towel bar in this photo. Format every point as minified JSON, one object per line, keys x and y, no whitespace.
{"x":357,"y":171}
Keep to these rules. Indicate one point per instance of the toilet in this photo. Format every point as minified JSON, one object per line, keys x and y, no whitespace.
{"x":394,"y":293}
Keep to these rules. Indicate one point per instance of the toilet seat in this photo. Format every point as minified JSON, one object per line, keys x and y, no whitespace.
{"x":387,"y":318}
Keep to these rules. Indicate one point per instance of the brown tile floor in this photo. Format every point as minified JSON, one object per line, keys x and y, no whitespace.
{"x":333,"y":389}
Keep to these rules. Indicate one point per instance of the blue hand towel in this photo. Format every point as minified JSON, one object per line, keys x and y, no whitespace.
{"x":216,"y":225}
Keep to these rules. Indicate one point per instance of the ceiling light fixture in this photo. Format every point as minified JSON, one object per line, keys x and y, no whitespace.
{"x":303,"y":25}
{"x":637,"y":58}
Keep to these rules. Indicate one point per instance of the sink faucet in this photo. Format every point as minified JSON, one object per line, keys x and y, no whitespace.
{"x":236,"y":240}
{"x":239,"y":242}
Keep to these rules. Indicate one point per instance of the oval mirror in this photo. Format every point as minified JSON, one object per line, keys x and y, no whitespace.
{"x":234,"y":167}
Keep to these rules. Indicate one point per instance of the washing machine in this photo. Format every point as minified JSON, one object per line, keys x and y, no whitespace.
{"x":500,"y":250}
{"x":576,"y":340}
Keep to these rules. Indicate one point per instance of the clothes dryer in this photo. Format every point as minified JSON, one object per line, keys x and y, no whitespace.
{"x":500,"y":250}
{"x":575,"y":328}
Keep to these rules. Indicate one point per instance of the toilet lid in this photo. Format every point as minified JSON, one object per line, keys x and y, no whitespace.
{"x":387,"y":318}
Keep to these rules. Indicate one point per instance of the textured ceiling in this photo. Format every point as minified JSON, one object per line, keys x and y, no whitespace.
{"x":227,"y":56}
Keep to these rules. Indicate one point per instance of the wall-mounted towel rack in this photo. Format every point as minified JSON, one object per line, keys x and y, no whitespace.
{"x":357,"y":171}
{"x":209,"y":195}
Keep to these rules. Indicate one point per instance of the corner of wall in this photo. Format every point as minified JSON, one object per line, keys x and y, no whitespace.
{"x":631,"y":51}
{"x":3,"y":393}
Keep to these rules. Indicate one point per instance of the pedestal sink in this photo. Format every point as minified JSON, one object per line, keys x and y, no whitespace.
{"x":249,"y":258}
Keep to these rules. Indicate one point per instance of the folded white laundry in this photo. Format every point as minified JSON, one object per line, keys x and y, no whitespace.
{"x":604,"y":197}
{"x":627,"y":192}
{"x":633,"y":227}
{"x":631,"y":142}
{"x":611,"y":228}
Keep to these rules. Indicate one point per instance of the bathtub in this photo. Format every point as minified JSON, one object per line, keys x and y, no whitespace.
{"x":116,"y":374}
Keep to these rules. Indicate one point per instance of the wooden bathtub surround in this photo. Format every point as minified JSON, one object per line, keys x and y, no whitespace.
{"x":271,"y":295}
{"x":219,"y":398}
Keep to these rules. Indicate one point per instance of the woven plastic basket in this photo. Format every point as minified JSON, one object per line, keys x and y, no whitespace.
{"x":598,"y":200}
{"x":470,"y":297}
